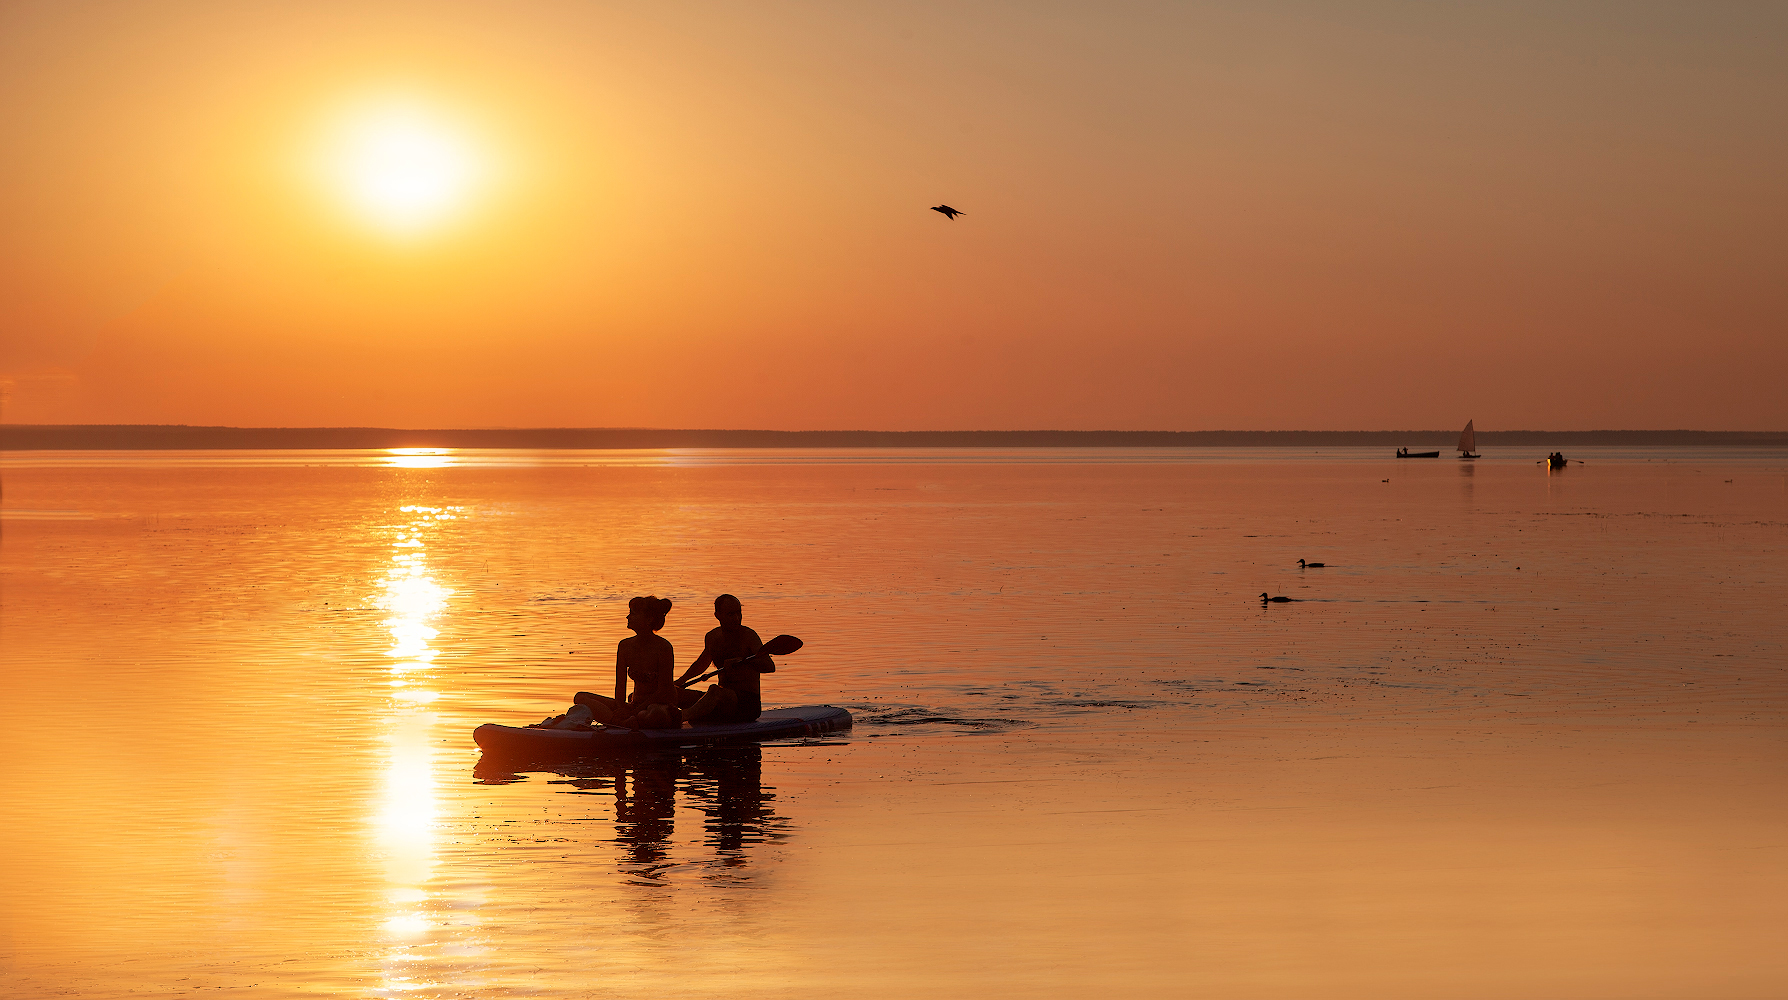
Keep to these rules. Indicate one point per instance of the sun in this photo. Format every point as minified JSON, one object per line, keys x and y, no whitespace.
{"x":402,"y":166}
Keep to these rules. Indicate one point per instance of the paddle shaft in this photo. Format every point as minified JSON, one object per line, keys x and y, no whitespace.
{"x":716,"y":670}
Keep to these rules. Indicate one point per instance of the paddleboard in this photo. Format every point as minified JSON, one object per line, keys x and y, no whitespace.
{"x":775,"y":724}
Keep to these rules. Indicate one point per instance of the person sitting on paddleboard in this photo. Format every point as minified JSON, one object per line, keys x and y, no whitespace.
{"x":649,"y":660}
{"x":739,"y":695}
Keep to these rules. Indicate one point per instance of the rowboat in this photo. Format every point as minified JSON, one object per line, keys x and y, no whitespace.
{"x":775,"y":724}
{"x":1418,"y":454}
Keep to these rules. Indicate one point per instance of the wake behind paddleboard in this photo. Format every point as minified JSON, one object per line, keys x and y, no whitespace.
{"x":775,"y":724}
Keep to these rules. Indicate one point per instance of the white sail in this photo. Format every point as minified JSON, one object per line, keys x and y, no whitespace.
{"x":1468,"y":439}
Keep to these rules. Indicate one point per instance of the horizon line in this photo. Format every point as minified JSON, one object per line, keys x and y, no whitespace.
{"x":859,"y":430}
{"x":177,"y":437}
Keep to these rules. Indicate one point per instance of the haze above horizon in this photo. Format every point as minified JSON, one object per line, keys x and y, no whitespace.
{"x":1319,"y":216}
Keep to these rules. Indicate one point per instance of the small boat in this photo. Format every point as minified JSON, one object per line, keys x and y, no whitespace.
{"x":1406,"y":453}
{"x":1468,"y":442}
{"x":775,"y":724}
{"x":1556,"y":461}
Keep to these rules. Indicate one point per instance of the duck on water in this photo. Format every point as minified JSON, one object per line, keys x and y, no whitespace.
{"x":1264,"y":599}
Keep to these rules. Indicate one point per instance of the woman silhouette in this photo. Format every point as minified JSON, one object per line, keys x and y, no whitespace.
{"x":648,"y":659}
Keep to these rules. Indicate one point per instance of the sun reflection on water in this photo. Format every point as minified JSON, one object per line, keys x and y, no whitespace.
{"x":420,"y":458}
{"x":405,"y":821}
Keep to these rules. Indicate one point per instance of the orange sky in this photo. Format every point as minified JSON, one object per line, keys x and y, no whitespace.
{"x":1181,"y":216}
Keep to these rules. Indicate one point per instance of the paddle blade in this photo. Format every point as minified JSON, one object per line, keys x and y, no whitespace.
{"x":782,"y":645}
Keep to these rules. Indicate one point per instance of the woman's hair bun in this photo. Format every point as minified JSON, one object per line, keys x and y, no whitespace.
{"x":652,"y":607}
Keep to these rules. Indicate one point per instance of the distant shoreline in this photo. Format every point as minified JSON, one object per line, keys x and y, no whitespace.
{"x":175,"y":437}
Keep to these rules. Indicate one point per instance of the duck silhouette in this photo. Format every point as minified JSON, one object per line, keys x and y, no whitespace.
{"x":1304,"y":565}
{"x":949,"y":213}
{"x":1264,"y":599}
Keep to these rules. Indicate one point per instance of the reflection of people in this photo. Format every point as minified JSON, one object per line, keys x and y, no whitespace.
{"x":738,"y":697}
{"x":646,"y":815}
{"x":723,"y":785}
{"x":726,"y":785}
{"x":649,"y":660}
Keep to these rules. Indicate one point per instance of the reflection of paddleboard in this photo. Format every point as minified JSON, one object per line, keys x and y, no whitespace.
{"x":775,"y":724}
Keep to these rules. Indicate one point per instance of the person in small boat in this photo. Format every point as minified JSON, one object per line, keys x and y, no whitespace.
{"x":739,"y":695}
{"x":649,"y":661}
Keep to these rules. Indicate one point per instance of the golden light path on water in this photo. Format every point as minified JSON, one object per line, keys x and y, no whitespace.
{"x":420,"y":458}
{"x":407,"y":815}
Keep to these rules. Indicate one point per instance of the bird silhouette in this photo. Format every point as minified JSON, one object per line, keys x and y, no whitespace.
{"x":1304,"y":565}
{"x":949,"y":212}
{"x":1264,"y":599}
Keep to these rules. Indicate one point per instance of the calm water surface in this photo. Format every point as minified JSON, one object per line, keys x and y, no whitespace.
{"x":1524,"y":734}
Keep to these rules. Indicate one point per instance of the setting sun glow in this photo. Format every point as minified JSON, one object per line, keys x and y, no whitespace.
{"x":523,"y":206}
{"x":402,"y":167}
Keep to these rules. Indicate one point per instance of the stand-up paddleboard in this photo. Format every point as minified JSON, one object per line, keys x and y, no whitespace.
{"x":775,"y":724}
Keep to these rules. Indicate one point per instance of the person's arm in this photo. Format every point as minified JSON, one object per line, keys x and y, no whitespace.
{"x":667,"y":668}
{"x":701,"y":663}
{"x":761,"y":661}
{"x":620,"y":676}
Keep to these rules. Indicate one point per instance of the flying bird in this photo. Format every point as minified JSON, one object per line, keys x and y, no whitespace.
{"x":949,"y":213}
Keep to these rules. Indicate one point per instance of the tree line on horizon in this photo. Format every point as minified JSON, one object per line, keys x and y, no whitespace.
{"x":76,"y":437}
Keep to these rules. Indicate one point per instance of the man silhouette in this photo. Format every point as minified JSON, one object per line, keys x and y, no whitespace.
{"x":739,"y":695}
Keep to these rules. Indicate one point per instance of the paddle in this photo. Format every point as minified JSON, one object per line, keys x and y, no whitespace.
{"x":782,"y":645}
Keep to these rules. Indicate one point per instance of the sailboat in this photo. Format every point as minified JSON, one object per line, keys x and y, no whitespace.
{"x":1468,"y":442}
